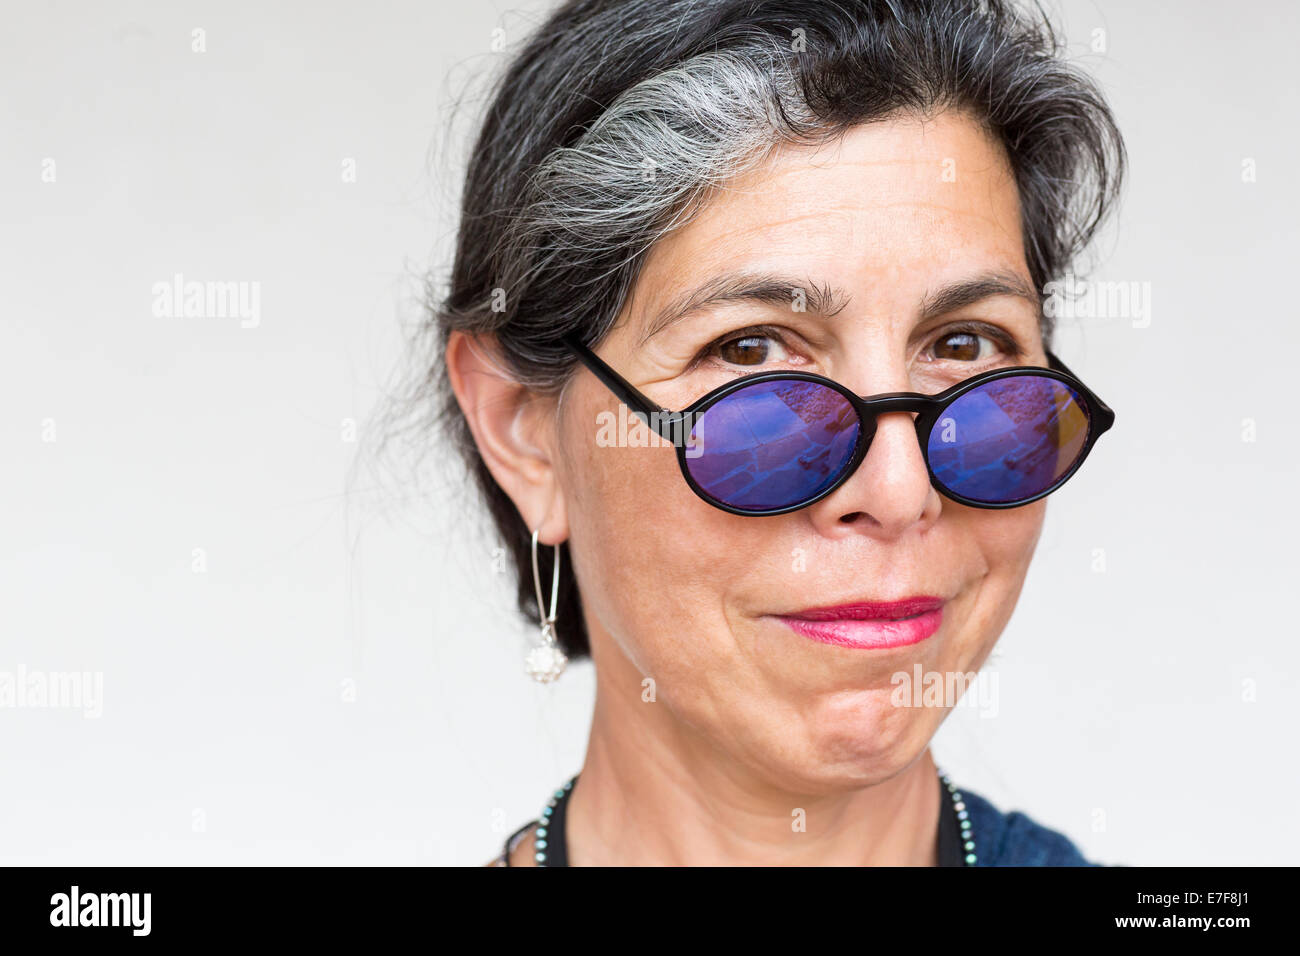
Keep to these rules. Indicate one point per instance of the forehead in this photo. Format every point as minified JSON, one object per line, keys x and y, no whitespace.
{"x":885,"y":211}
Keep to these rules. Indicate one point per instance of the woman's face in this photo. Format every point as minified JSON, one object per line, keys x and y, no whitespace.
{"x":866,"y":233}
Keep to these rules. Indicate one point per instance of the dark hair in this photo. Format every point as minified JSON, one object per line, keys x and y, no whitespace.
{"x":614,"y":120}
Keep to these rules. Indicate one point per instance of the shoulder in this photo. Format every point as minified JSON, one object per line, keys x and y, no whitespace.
{"x":1014,"y":839}
{"x":518,"y":849}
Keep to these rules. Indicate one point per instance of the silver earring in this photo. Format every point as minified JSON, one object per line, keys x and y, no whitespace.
{"x":546,"y":661}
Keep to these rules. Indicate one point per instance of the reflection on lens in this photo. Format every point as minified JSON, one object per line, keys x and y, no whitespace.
{"x":772,"y":445}
{"x":1009,"y":440}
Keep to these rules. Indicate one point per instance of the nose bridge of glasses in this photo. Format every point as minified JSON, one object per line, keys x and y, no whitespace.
{"x":873,"y":405}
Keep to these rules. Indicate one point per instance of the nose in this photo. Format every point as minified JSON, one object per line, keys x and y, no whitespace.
{"x":890,"y":492}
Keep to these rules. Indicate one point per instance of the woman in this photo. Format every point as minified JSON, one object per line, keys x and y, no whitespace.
{"x":698,"y":242}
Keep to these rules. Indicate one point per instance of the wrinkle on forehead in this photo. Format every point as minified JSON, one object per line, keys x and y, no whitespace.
{"x":809,"y":205}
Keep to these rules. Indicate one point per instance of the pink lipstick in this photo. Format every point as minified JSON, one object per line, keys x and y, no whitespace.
{"x":870,"y":624}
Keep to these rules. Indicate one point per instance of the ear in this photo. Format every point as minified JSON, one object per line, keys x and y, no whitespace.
{"x":514,"y":430}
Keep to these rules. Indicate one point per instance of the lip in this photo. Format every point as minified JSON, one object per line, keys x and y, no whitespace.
{"x":870,"y":624}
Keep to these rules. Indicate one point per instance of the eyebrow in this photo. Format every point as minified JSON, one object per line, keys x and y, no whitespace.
{"x":826,"y":300}
{"x":952,"y":297}
{"x":819,"y":299}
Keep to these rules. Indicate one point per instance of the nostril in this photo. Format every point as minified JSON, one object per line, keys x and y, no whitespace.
{"x":854,"y":516}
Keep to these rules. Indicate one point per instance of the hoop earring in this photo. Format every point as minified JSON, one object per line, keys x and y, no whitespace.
{"x":545,"y":662}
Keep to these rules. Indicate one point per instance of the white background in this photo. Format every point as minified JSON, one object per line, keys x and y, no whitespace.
{"x":1147,"y":710}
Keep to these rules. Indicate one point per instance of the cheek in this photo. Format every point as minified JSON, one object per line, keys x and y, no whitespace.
{"x":1008,"y":538}
{"x":1005,"y":541}
{"x":651,"y":565}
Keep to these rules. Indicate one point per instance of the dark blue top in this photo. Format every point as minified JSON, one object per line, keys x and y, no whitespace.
{"x":1013,"y":839}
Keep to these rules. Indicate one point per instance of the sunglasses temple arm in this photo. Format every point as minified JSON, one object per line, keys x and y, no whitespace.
{"x":1108,"y":416}
{"x":654,"y":417}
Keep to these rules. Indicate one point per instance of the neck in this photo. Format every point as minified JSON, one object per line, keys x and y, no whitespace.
{"x":654,"y":792}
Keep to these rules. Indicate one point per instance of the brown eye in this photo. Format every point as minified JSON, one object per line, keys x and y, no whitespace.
{"x":749,"y":350}
{"x":959,"y":347}
{"x":754,"y":347}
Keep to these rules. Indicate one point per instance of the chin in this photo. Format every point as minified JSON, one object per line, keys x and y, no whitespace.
{"x":852,"y":744}
{"x":866,"y":739}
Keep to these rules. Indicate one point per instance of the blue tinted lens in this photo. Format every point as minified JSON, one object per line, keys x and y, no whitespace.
{"x":772,"y":445}
{"x":1009,"y":440}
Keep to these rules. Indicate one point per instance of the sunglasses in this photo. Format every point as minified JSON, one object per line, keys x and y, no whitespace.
{"x":775,"y":442}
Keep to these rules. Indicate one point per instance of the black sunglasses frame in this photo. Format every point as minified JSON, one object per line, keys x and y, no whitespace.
{"x":669,"y":424}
